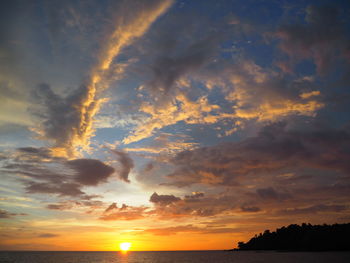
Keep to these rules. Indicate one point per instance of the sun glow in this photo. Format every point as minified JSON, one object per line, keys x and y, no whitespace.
{"x":125,"y":246}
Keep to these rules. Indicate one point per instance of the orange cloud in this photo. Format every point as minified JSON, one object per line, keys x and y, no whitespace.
{"x":264,"y":96}
{"x":165,"y":144}
{"x":180,"y":109}
{"x":271,"y":111}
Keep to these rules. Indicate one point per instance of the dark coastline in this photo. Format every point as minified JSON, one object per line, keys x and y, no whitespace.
{"x":300,"y":238}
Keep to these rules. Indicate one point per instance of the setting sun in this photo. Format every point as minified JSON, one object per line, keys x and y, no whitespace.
{"x":125,"y":246}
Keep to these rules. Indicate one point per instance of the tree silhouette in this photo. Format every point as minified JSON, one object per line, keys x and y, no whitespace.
{"x":306,"y":237}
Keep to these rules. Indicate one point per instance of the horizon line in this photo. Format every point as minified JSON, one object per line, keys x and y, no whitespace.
{"x":194,"y":250}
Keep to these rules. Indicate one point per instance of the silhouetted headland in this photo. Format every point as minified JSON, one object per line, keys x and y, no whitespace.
{"x":306,"y":237}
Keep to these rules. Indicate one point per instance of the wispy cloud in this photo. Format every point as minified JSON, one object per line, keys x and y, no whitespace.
{"x":68,"y":121}
{"x":47,"y":235}
{"x":5,"y":214}
{"x":165,"y":143}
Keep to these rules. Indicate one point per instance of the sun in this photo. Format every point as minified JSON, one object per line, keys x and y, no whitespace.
{"x":125,"y":246}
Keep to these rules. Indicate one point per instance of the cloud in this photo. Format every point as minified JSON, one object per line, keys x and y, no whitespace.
{"x":194,"y":195}
{"x":168,"y":70}
{"x":167,"y":231}
{"x":163,"y":199}
{"x":123,"y":213}
{"x":5,"y":214}
{"x":126,"y":164}
{"x":62,"y":206}
{"x":90,"y":171}
{"x":132,"y":21}
{"x":172,"y":67}
{"x":265,"y":95}
{"x":195,"y":205}
{"x":111,"y":207}
{"x":249,"y":201}
{"x":180,"y":109}
{"x":47,"y":235}
{"x":322,"y":38}
{"x":67,"y":121}
{"x":36,"y":152}
{"x":63,"y":189}
{"x":273,"y":149}
{"x":171,"y":59}
{"x":44,"y":173}
{"x":73,"y":204}
{"x":250,"y":209}
{"x":165,"y":143}
{"x":270,"y":193}
{"x":320,"y":208}
{"x":250,"y":93}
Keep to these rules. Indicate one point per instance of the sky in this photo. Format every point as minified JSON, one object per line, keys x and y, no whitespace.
{"x":169,"y":124}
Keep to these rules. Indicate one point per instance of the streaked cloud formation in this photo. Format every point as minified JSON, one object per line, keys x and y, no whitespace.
{"x":68,"y":121}
{"x":145,"y":120}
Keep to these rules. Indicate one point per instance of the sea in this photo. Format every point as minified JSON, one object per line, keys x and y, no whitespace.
{"x":175,"y":257}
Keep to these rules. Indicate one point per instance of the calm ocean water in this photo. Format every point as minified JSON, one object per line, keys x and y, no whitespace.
{"x":174,"y":257}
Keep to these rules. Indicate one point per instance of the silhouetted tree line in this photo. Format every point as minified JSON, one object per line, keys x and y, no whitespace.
{"x":306,"y":237}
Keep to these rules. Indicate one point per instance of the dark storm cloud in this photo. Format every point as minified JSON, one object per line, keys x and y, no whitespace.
{"x":323,"y":38}
{"x":163,"y":199}
{"x":90,"y":171}
{"x":126,"y":164}
{"x":274,"y":149}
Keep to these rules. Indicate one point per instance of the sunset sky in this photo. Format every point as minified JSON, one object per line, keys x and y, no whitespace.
{"x":171,"y":125}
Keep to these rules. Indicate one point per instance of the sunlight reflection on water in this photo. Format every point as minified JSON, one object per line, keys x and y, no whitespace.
{"x":174,"y":257}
